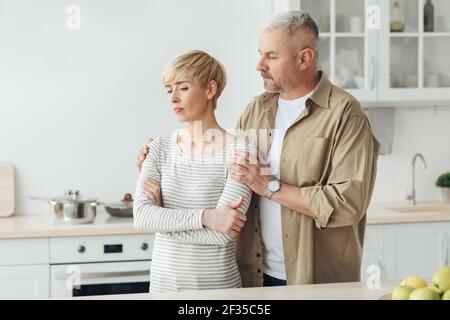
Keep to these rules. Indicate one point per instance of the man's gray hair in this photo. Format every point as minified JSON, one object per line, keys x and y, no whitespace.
{"x":293,"y":22}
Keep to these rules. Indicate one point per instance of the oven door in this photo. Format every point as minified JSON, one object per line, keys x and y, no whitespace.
{"x":88,"y":279}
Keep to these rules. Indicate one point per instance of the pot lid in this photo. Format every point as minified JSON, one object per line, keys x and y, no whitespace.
{"x":73,"y":196}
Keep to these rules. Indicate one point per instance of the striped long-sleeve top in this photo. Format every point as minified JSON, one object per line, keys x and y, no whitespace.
{"x":187,"y":255}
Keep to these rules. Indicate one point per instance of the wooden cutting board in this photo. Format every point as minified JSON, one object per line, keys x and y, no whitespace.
{"x":6,"y":189}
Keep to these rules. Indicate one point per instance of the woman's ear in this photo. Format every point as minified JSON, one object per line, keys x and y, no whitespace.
{"x":212,"y":89}
{"x":305,"y":58}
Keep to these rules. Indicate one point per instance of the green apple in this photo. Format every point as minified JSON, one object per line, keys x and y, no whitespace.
{"x":446,"y":295}
{"x":402,"y":292}
{"x":424,"y":294}
{"x":414,"y":281}
{"x":433,"y":287}
{"x":441,"y":279}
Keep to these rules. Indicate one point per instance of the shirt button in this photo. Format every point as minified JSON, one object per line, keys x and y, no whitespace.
{"x":256,"y":230}
{"x":259,"y":270}
{"x":286,"y":236}
{"x":258,"y":255}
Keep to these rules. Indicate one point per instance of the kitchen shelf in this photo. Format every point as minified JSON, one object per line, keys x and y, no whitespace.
{"x":349,"y":35}
{"x":416,"y":34}
{"x":403,"y":34}
{"x":436,"y":34}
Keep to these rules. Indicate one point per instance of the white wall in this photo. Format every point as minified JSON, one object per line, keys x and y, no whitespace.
{"x":75,"y":106}
{"x":425,"y":130}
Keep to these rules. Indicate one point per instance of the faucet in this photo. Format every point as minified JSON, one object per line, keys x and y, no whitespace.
{"x":412,"y":196}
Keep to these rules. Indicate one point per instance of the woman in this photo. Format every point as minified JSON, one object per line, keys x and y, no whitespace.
{"x":199,"y":209}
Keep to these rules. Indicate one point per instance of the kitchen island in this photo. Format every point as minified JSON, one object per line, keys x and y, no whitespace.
{"x":330,"y":291}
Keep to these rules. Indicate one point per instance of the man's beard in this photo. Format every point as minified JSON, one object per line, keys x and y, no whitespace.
{"x":272,"y":87}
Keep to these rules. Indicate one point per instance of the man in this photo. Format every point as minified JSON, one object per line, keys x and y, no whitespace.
{"x":307,"y":219}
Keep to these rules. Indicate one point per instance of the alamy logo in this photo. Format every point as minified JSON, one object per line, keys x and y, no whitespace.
{"x":374,"y":278}
{"x":373,"y":17}
{"x":74,"y":278}
{"x":74,"y":17}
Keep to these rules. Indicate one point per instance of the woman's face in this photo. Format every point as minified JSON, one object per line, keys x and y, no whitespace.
{"x":188,"y":100}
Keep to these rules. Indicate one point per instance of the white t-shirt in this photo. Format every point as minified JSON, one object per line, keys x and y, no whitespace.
{"x":270,"y":212}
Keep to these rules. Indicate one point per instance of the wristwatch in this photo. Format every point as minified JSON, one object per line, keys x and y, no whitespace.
{"x":271,"y":187}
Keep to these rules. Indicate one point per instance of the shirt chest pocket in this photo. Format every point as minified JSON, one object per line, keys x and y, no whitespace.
{"x":310,"y":160}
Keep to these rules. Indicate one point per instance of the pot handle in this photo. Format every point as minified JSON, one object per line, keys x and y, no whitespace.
{"x":95,"y":203}
{"x":52,"y":202}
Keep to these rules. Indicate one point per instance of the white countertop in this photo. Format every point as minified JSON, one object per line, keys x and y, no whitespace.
{"x":378,"y":213}
{"x":330,"y":291}
{"x":46,"y":225}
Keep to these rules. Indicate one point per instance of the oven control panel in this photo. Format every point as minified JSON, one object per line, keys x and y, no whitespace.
{"x":101,"y":248}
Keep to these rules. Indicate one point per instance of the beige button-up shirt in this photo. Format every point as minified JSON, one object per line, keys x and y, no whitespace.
{"x":331,"y":154}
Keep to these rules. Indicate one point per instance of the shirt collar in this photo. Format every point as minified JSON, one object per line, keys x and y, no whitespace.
{"x":321,"y":95}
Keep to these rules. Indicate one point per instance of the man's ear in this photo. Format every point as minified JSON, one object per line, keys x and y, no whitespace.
{"x":212,"y":89}
{"x":305,"y":58}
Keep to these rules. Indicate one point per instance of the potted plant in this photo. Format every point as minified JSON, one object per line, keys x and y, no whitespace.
{"x":444,"y":183}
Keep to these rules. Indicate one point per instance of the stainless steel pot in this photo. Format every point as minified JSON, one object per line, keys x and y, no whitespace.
{"x":71,"y":208}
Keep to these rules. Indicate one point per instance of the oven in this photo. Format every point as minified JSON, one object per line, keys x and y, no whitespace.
{"x":100,"y":265}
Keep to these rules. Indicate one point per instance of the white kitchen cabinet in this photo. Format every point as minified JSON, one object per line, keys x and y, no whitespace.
{"x":415,"y":64}
{"x":24,"y":268}
{"x":24,"y":251}
{"x":373,"y":64}
{"x":405,"y":249}
{"x":25,"y":281}
{"x":26,"y":264}
{"x":347,"y":54}
{"x":415,"y":249}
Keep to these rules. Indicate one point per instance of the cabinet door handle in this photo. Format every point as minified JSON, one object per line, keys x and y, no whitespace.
{"x":103,"y":275}
{"x":444,"y":249}
{"x":372,"y":73}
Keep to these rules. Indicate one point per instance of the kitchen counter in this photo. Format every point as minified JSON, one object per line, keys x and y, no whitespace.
{"x":378,"y":213}
{"x":330,"y":291}
{"x":46,"y":225}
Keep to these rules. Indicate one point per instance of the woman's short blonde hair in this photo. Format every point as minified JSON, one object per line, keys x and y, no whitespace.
{"x":198,"y":66}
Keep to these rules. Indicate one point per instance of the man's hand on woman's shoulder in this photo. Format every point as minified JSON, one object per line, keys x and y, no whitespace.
{"x":142,"y":154}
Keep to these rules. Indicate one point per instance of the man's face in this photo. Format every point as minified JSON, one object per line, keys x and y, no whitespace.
{"x":277,"y":63}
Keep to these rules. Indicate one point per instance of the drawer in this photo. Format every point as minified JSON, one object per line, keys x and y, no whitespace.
{"x":101,"y":248}
{"x":24,"y":251}
{"x":373,"y":238}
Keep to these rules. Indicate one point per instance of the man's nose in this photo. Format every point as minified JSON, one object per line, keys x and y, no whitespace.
{"x":261,"y":66}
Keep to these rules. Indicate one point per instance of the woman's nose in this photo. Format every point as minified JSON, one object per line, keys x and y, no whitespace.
{"x":173,"y":97}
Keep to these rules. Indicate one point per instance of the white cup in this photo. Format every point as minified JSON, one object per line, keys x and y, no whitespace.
{"x":410,"y":80}
{"x":356,"y":24}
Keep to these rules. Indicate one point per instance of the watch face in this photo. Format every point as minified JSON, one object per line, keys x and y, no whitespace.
{"x":273,"y":186}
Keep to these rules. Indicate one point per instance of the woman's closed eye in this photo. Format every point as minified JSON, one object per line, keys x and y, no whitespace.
{"x":182,"y":89}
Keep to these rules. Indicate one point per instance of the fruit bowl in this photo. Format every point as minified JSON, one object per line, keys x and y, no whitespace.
{"x":387,"y":296}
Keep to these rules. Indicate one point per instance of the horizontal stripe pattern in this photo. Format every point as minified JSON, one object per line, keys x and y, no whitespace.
{"x":186,"y":255}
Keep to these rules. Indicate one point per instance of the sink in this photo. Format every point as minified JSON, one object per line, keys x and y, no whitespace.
{"x":422,"y":208}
